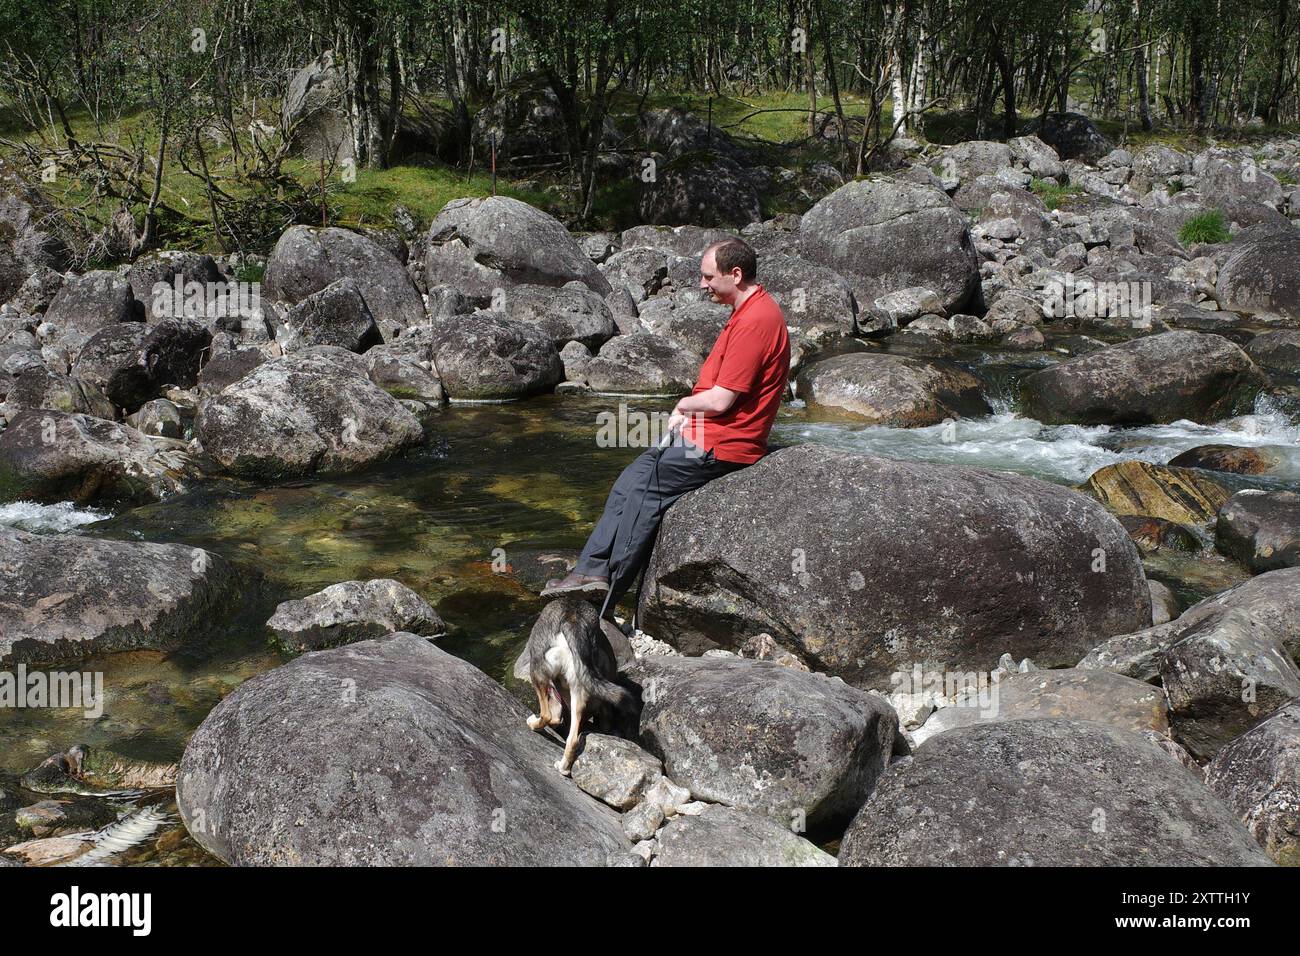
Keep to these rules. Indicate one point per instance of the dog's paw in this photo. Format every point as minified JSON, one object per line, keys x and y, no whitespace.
{"x":535,"y":723}
{"x":559,"y":765}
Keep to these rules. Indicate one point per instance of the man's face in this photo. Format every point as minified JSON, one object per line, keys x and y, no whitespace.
{"x":720,"y":287}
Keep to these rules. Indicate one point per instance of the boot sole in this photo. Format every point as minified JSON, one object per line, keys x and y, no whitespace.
{"x":600,"y":590}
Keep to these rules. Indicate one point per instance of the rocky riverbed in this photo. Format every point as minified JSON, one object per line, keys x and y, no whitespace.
{"x":1032,"y":512}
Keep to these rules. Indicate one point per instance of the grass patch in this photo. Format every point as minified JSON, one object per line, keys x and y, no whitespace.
{"x":1208,"y":227}
{"x":1054,"y":195}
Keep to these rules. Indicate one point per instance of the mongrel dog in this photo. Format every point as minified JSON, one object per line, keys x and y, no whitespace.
{"x":572,"y":665}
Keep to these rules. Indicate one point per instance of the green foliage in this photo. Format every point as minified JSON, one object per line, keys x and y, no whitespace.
{"x":1208,"y":227}
{"x":1052,"y":194}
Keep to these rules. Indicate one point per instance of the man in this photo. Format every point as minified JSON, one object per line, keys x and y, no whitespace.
{"x":723,"y":423}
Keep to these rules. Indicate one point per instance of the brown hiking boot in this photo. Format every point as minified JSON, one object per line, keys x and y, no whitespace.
{"x":576,"y":583}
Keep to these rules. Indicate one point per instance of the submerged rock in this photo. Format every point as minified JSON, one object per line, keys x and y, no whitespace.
{"x":386,"y":752}
{"x":66,"y":597}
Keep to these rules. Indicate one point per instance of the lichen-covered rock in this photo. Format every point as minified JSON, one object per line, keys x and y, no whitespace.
{"x":66,"y":597}
{"x":1258,"y":775}
{"x":888,"y":235}
{"x":1052,"y":792}
{"x":1261,"y":529}
{"x":49,"y":456}
{"x":723,"y":836}
{"x":479,"y":245}
{"x":615,"y":771}
{"x":1157,"y":378}
{"x":306,"y":413}
{"x":893,"y":390}
{"x":765,"y":738}
{"x":864,"y":566}
{"x":353,"y":611}
{"x":487,"y":356}
{"x":386,"y":752}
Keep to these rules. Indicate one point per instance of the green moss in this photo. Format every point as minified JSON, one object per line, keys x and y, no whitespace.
{"x":1206,"y":228}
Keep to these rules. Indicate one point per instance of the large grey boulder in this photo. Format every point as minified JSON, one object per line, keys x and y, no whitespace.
{"x":486,"y":356}
{"x":1051,"y":792}
{"x":1222,"y":677}
{"x":965,"y":161}
{"x":643,"y":364}
{"x":158,"y":277}
{"x":1262,"y":276}
{"x":700,"y":189}
{"x":1069,"y":692}
{"x":1230,"y":177}
{"x":337,"y":315}
{"x":387,"y":752}
{"x":352,"y":611}
{"x":815,"y":300}
{"x":132,"y":362}
{"x":480,"y":245}
{"x":693,"y":325}
{"x":765,"y":738}
{"x":87,"y":303}
{"x":892,"y":389}
{"x":615,"y":771}
{"x":572,"y":313}
{"x":1157,"y":378}
{"x":1271,"y":601}
{"x":887,"y":235}
{"x":1258,"y":775}
{"x":1073,"y":136}
{"x":38,"y":387}
{"x":1261,"y":529}
{"x":307,"y":259}
{"x":313,"y":114}
{"x":866,"y":566}
{"x":66,"y":597}
{"x":303,"y":414}
{"x":722,"y":836}
{"x":1277,"y":351}
{"x":49,"y":456}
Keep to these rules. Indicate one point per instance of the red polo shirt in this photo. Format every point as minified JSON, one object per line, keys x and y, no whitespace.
{"x":752,"y":358}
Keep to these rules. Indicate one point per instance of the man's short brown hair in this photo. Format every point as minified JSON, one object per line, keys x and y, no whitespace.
{"x":735,"y":254}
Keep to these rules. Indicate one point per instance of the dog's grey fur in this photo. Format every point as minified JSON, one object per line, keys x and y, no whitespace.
{"x":570,"y":661}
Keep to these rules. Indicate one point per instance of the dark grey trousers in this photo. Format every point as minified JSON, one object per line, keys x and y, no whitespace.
{"x":620,"y":545}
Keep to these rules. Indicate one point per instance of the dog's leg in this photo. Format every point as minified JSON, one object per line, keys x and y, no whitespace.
{"x":577,"y":710}
{"x":543,"y":718}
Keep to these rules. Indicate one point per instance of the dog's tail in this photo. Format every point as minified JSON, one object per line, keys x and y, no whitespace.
{"x":611,"y":694}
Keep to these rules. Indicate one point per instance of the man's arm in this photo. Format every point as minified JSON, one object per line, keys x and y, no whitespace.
{"x":713,"y":401}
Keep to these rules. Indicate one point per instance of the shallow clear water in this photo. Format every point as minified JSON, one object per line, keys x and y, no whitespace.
{"x":520,"y":478}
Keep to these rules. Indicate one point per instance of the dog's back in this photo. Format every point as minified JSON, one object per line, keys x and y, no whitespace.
{"x":567,"y":649}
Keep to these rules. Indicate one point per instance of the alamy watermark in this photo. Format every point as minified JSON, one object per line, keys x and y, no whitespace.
{"x":211,"y":300}
{"x":633,"y":429}
{"x":1088,"y":298}
{"x":79,"y":690}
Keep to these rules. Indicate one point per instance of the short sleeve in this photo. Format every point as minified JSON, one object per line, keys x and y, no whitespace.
{"x":743,"y":362}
